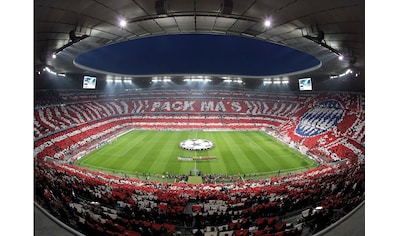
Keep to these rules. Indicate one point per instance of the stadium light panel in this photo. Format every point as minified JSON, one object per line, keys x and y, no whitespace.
{"x":122,"y":23}
{"x":268,"y":23}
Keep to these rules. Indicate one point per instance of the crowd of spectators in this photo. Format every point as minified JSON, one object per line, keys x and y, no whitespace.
{"x":96,"y":203}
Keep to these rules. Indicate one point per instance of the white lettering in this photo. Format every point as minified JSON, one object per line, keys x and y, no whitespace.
{"x":236,"y":106}
{"x":188,"y":105}
{"x":220,"y":106}
{"x":156,"y":106}
{"x":177,"y":106}
{"x":165,"y":106}
{"x":207,"y":107}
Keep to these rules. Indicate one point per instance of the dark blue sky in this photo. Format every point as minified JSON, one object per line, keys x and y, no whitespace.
{"x":204,"y":54}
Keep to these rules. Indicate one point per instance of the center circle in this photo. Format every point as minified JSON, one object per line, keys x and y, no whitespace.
{"x":196,"y":144}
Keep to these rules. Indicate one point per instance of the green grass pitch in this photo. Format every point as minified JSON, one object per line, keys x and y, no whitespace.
{"x":157,"y":152}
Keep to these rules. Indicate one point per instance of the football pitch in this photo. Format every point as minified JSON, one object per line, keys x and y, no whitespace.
{"x":156,"y":153}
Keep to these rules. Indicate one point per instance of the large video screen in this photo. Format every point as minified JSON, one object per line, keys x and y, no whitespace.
{"x":89,"y":82}
{"x":305,"y":84}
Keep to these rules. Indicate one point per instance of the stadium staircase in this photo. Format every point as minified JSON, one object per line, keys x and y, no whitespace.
{"x":187,"y":230}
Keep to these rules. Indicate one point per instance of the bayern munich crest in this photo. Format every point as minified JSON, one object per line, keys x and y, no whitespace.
{"x":196,"y":144}
{"x":320,"y":119}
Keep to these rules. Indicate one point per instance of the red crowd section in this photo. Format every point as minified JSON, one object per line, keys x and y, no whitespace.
{"x":96,"y":203}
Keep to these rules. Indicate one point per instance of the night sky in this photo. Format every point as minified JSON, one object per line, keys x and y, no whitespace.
{"x":204,"y":54}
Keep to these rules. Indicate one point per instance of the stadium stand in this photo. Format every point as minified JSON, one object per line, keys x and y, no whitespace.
{"x":327,"y":127}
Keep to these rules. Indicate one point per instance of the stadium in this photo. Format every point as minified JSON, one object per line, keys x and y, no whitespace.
{"x":199,"y":117}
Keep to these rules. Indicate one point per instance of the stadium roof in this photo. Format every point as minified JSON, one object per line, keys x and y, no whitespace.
{"x":321,"y":29}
